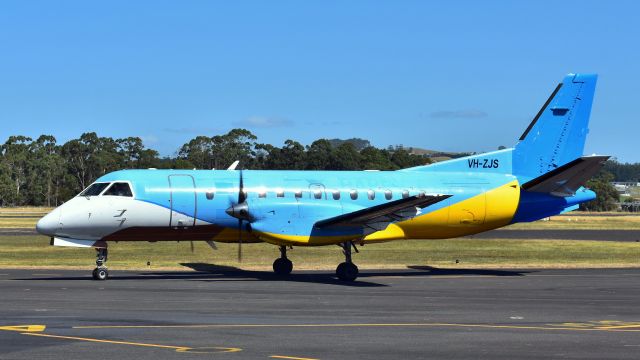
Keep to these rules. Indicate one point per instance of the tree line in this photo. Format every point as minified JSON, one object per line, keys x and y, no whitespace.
{"x":623,"y":172}
{"x":41,"y":172}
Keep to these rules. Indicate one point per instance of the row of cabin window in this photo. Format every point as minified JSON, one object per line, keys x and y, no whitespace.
{"x":371,"y":195}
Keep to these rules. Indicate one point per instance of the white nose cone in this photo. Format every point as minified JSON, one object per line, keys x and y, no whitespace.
{"x":49,"y":224}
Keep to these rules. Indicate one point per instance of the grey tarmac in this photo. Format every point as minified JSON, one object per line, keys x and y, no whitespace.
{"x":226,"y":313}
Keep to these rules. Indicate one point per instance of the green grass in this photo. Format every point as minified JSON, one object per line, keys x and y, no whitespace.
{"x":34,"y":251}
{"x":21,"y":217}
{"x":27,"y":218}
{"x":577,"y":221}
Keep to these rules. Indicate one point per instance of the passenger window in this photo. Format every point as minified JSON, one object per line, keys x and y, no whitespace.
{"x":298,"y":194}
{"x":336,"y":195}
{"x":405,"y":194}
{"x":119,"y":189}
{"x":371,"y":194}
{"x":317,"y":194}
{"x":262,"y":194}
{"x":388,"y":194}
{"x":353,"y":194}
{"x":209,"y":195}
{"x":279,"y":193}
{"x":94,"y":189}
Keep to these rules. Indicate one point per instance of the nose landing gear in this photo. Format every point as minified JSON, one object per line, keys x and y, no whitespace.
{"x":100,"y":272}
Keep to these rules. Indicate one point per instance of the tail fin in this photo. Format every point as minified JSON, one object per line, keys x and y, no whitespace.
{"x":557,"y":134}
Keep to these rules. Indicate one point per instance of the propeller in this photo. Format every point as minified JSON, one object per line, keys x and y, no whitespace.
{"x":240,"y":211}
{"x":241,"y":200}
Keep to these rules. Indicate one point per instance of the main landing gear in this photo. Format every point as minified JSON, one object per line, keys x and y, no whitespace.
{"x":347,"y":271}
{"x":282,"y":266}
{"x":100,"y":272}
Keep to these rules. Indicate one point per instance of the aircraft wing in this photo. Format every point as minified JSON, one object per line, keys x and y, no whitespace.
{"x":378,"y":217}
{"x":566,"y":179}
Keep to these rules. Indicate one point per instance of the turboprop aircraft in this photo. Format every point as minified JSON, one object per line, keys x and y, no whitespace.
{"x":542,"y":175}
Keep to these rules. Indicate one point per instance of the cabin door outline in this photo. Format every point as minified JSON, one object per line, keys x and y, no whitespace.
{"x":183,"y":200}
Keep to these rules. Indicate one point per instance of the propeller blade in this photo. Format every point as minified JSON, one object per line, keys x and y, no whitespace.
{"x":241,"y":203}
{"x":239,"y":240}
{"x":241,"y":194}
{"x":192,"y":247}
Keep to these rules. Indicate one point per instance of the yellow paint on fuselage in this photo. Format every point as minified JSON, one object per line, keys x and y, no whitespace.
{"x":230,"y":235}
{"x":303,"y":240}
{"x":489,"y":210}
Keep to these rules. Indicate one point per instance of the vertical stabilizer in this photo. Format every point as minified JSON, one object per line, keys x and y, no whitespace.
{"x":557,"y":134}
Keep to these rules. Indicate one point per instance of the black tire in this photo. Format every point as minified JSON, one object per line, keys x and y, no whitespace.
{"x":347,"y":271}
{"x":101,"y":274}
{"x":94,"y":274}
{"x":282,"y":266}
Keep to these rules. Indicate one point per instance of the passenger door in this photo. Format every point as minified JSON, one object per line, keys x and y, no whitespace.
{"x":183,"y":201}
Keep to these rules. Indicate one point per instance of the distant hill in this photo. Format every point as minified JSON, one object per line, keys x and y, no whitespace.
{"x":357,"y":143}
{"x":434,"y":155}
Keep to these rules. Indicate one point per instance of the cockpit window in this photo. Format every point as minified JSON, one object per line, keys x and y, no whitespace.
{"x":119,"y":189}
{"x":94,"y":189}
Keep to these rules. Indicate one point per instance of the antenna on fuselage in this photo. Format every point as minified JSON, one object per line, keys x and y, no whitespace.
{"x":234,"y":165}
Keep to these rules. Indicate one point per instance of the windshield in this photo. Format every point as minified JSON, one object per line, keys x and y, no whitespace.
{"x":94,"y":189}
{"x":119,"y":189}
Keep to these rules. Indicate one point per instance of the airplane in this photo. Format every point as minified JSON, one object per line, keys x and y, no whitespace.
{"x":542,"y":175}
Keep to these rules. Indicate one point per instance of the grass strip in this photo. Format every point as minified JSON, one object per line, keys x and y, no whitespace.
{"x":34,"y":251}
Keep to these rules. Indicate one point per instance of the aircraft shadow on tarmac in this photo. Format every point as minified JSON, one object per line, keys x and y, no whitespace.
{"x":212,"y":272}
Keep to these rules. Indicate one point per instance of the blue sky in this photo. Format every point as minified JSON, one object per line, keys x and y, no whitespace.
{"x":448,"y":75}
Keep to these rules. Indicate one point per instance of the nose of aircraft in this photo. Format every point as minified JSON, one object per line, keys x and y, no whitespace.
{"x":48,"y":225}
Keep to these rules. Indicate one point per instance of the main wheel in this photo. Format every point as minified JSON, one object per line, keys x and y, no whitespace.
{"x":282,"y":266}
{"x":347,"y":271}
{"x":100,"y":274}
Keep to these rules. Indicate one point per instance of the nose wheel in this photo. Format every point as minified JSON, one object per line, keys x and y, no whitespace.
{"x":347,"y":271}
{"x":282,"y":266}
{"x":100,"y":272}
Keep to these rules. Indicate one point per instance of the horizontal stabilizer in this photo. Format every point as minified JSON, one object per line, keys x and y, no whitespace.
{"x":378,"y":217}
{"x":567,"y":179}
